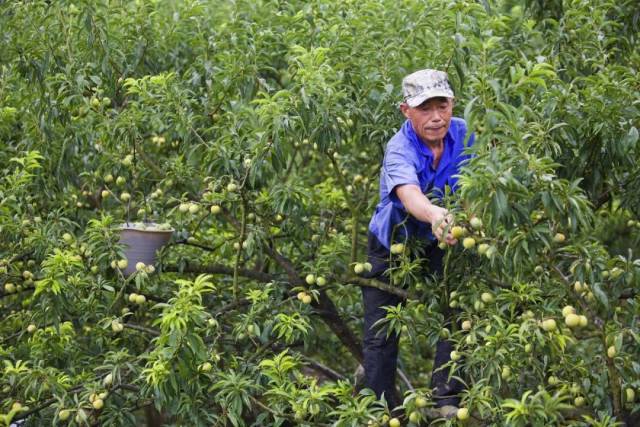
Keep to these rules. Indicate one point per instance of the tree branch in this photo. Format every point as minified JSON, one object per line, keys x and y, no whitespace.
{"x":321,"y":368}
{"x":373,"y":283}
{"x":220,"y":269}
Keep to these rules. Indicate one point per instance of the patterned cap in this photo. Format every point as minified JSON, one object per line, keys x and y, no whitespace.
{"x":424,"y":84}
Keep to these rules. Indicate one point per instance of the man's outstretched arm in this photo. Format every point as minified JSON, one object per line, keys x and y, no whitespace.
{"x":419,"y":206}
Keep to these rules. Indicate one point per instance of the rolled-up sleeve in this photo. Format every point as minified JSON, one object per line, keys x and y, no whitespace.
{"x":399,"y":169}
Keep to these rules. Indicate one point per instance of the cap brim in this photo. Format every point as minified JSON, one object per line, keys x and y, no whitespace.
{"x":419,"y":99}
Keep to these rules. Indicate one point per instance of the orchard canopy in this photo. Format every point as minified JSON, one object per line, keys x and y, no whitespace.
{"x":255,"y":129}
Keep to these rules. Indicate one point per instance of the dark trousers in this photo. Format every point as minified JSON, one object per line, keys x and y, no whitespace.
{"x":381,"y":353}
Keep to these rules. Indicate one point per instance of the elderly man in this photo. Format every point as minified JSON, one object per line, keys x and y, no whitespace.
{"x":423,"y":157}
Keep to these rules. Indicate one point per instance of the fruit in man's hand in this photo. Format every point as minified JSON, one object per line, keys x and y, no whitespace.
{"x":457,"y":231}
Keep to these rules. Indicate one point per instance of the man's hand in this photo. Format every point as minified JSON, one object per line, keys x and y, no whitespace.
{"x":441,"y":219}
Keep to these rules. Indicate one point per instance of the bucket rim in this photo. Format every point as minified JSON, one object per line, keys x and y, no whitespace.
{"x":134,"y":226}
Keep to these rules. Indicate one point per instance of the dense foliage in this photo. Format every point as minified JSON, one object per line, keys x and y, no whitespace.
{"x":256,"y":130}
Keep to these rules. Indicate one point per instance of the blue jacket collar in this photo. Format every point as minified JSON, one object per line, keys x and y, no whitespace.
{"x":410,"y":133}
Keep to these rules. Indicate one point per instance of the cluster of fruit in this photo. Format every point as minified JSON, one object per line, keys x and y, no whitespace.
{"x":311,"y":279}
{"x":470,"y":237}
{"x":456,"y":300}
{"x":583,"y":290}
{"x":120,"y":181}
{"x":361,"y":267}
{"x":120,"y":264}
{"x":137,"y":298}
{"x":573,"y":320}
{"x":95,"y":399}
{"x":192,"y":208}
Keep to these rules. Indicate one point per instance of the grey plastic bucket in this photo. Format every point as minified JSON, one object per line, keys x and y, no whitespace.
{"x":141,"y":244}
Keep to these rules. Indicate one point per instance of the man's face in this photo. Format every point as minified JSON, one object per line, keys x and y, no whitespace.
{"x":430,"y":119}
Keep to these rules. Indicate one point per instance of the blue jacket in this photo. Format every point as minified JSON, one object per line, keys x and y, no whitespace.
{"x":408,"y":161}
